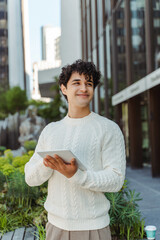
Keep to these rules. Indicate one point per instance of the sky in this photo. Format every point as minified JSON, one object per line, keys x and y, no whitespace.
{"x":41,"y":12}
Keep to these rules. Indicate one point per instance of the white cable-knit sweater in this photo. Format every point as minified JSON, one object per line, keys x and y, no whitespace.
{"x":78,"y":203}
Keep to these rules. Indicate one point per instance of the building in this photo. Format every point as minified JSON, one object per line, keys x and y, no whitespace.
{"x":45,"y":70}
{"x":14,"y":45}
{"x":50,"y":36}
{"x":122,"y":37}
{"x":26,"y":47}
{"x":70,"y":44}
{"x":4,"y":81}
{"x":67,"y":47}
{"x":43,"y":80}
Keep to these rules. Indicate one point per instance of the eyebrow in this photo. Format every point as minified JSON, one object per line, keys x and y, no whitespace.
{"x":78,"y":79}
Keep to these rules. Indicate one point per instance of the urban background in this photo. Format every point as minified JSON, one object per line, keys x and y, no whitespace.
{"x":122,"y":38}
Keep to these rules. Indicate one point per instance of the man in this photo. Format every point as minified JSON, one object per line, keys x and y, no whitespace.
{"x":76,"y":205}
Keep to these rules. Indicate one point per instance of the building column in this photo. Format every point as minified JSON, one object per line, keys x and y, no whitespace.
{"x":115,"y":65}
{"x":153,"y":95}
{"x":118,"y":115}
{"x":154,"y":124}
{"x":106,"y":99}
{"x":135,"y":132}
{"x":97,"y":54}
{"x":128,"y":43}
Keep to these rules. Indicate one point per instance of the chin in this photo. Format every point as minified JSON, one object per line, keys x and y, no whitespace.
{"x":84,"y":104}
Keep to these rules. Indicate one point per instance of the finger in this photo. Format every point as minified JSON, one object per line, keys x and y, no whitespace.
{"x":59,"y":159}
{"x":73,"y":162}
{"x":52,"y":160}
{"x":50,"y":164}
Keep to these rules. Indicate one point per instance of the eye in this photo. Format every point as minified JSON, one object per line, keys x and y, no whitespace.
{"x":90,"y":84}
{"x":76,"y":83}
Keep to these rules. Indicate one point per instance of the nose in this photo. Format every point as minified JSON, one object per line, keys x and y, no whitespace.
{"x":83,"y":88}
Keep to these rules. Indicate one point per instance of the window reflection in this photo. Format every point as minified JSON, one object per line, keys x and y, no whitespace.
{"x":3,"y":45}
{"x":138,"y":39}
{"x":156,"y":32}
{"x":107,"y":8}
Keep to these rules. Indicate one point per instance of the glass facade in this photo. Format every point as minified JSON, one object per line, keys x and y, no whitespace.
{"x":3,"y":46}
{"x":156,"y":33}
{"x":101,"y":68}
{"x":124,"y":41}
{"x":121,"y":43}
{"x":107,"y":9}
{"x":109,"y":68}
{"x":145,"y":128}
{"x":138,"y":41}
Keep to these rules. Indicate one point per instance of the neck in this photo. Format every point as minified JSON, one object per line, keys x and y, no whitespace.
{"x":78,"y":113}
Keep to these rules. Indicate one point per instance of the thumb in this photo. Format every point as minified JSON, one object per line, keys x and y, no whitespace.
{"x":73,"y":162}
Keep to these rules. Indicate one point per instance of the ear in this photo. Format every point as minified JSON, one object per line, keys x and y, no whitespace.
{"x":63,"y":89}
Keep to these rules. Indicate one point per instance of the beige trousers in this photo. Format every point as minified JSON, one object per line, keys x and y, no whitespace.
{"x":55,"y":233}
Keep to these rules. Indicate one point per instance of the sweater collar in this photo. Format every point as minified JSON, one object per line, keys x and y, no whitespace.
{"x":78,"y":120}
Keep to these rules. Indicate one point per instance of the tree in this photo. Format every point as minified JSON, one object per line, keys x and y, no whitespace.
{"x":16,"y":100}
{"x":3,"y":104}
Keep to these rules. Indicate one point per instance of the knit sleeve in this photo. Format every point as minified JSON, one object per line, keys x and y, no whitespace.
{"x":111,"y":178}
{"x":35,"y":171}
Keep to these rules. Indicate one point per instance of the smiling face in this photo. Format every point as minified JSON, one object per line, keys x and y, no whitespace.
{"x":79,"y":90}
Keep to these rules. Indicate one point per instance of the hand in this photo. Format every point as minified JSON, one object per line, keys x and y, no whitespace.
{"x":57,"y":163}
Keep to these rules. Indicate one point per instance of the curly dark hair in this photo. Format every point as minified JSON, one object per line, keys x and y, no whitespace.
{"x":82,"y":67}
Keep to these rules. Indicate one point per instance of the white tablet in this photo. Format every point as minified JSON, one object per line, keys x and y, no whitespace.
{"x":66,"y":155}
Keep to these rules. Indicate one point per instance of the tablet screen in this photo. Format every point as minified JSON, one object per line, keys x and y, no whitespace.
{"x":66,"y":155}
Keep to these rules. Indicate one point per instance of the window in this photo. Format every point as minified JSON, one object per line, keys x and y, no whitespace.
{"x":138,"y":39}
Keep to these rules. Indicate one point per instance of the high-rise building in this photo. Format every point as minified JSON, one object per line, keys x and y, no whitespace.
{"x":122,"y":37}
{"x":49,"y":36}
{"x":14,"y":45}
{"x":70,"y":45}
{"x":67,"y":46}
{"x":51,"y":59}
{"x":4,"y":76}
{"x":57,"y":49}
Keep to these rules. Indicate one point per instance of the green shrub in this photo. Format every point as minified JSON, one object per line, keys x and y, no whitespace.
{"x":125,"y":218}
{"x":19,"y":192}
{"x":20,"y":161}
{"x":30,"y":145}
{"x":7,"y":169}
{"x":2,"y":149}
{"x":41,"y":235}
{"x":2,"y":180}
{"x":24,"y":204}
{"x":3,"y":161}
{"x":8,"y":155}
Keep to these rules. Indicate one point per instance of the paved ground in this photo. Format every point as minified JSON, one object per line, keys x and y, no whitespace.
{"x":142,"y":181}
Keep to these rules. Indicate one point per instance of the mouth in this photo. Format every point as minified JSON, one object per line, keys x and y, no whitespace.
{"x":83,"y":95}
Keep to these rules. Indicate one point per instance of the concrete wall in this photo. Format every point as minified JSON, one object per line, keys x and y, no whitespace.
{"x":47,"y":76}
{"x":15,"y":44}
{"x":26,"y":43}
{"x":70,"y":31}
{"x":19,"y":45}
